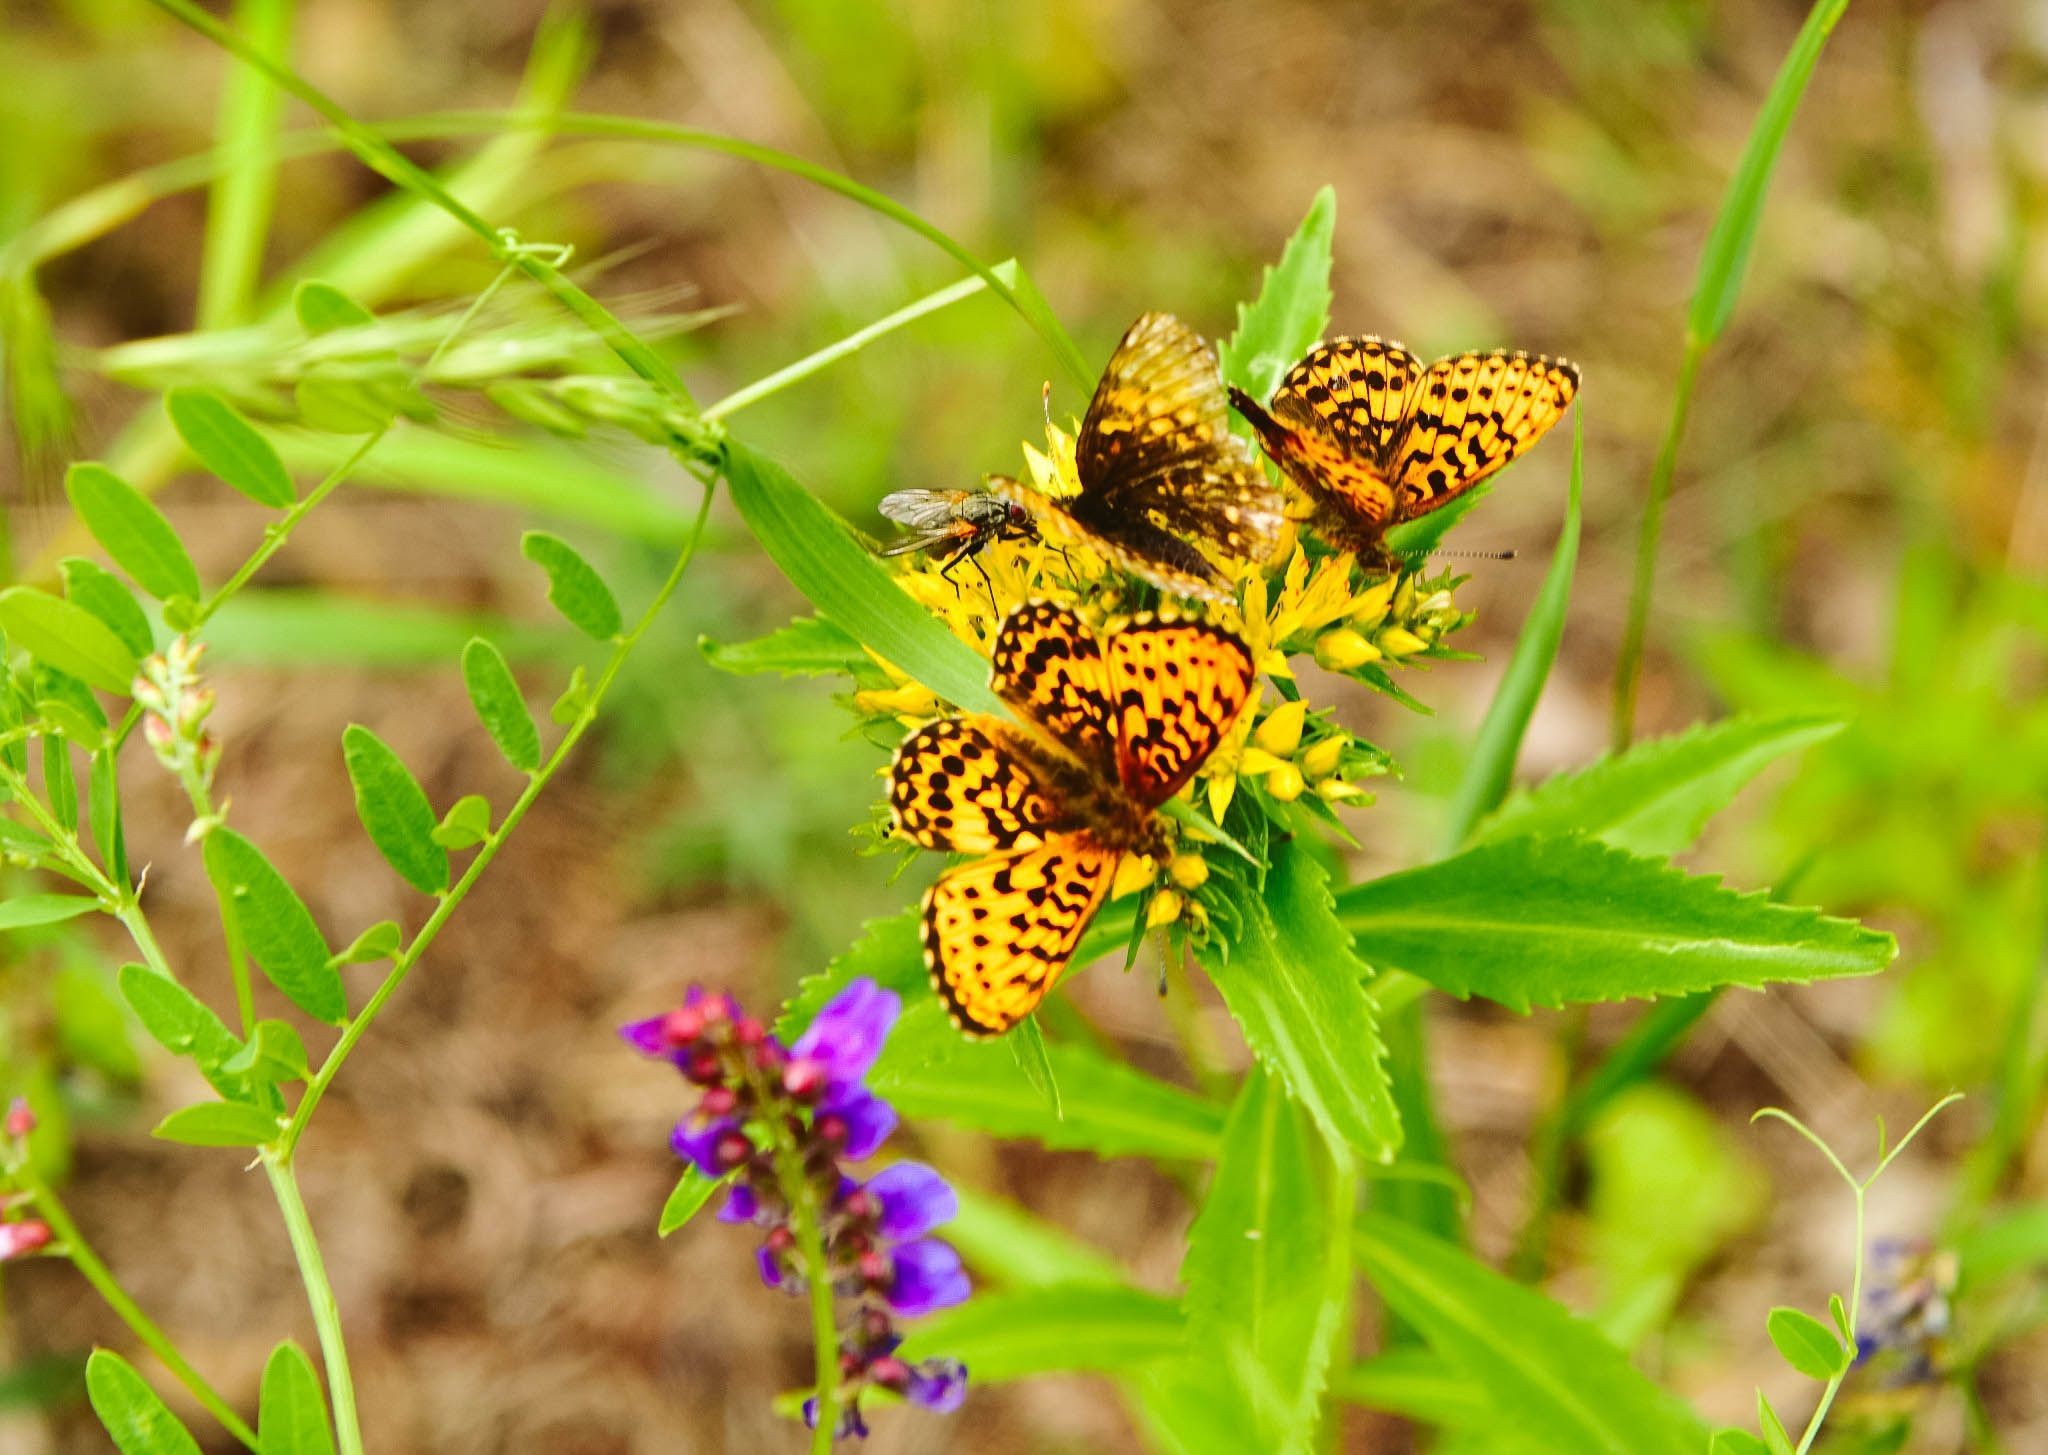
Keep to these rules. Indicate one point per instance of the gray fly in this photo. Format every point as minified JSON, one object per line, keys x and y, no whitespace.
{"x":958,"y":523}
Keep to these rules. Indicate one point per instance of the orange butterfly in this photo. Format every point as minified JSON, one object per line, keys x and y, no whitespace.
{"x":1122,"y":722}
{"x":1375,"y":439}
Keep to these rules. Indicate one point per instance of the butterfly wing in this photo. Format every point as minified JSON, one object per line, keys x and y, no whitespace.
{"x":1179,"y":686}
{"x":998,"y":932}
{"x":1157,"y":461}
{"x":1470,"y":415}
{"x":1048,"y":665}
{"x":971,"y":785}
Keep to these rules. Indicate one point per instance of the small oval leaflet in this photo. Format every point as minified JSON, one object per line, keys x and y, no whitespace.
{"x":61,"y":634}
{"x":499,"y":705}
{"x":1807,"y":1344}
{"x":132,"y":531}
{"x":138,"y":1422}
{"x":218,"y":1124}
{"x":101,"y":592}
{"x":394,"y":809}
{"x":276,"y":926}
{"x":323,"y":308}
{"x":576,"y":589}
{"x":292,"y":1417}
{"x":229,"y":446}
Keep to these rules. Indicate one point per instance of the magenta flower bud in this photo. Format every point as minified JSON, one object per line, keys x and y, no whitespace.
{"x":747,"y":1031}
{"x":20,"y":1120}
{"x":890,"y":1372}
{"x":719,"y":1101}
{"x":732,"y":1150}
{"x":873,"y":1267}
{"x":682,"y":1026}
{"x":19,"y":1239}
{"x":704,"y":1068}
{"x":804,"y":1080}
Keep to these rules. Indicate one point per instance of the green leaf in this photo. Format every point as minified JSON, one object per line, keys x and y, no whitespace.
{"x":1268,"y":1264}
{"x":574,"y":699}
{"x":1738,"y":1442}
{"x":229,"y":446}
{"x":1726,"y":257}
{"x":1026,"y":1332}
{"x":577,"y":591}
{"x":1492,"y":765}
{"x":340,"y":403}
{"x":1775,"y":1439}
{"x":820,"y":556}
{"x":276,"y":926}
{"x":1297,"y":990}
{"x":292,"y":1418}
{"x":1292,"y":310}
{"x":467,"y":822}
{"x":103,"y":805}
{"x":394,"y":810}
{"x":137,"y":1421}
{"x":692,"y":1191}
{"x":928,"y":1070}
{"x":219,"y":1124}
{"x":1657,"y":796}
{"x":1565,"y":1385}
{"x":500,"y":705}
{"x":274,"y":1053}
{"x":91,"y":1026}
{"x":323,"y":308}
{"x":1027,"y":1044}
{"x":810,"y":646}
{"x":179,"y":1021}
{"x":101,"y":592}
{"x":132,"y":531}
{"x":381,"y":941}
{"x":1560,"y":921}
{"x":1417,"y":1385}
{"x":1005,"y":1244}
{"x":1806,"y":1343}
{"x":25,"y":911}
{"x":66,"y":636}
{"x":59,"y":784}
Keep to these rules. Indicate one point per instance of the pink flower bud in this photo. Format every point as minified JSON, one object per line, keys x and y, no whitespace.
{"x":17,"y":1239}
{"x":890,"y":1372}
{"x":874,"y":1268}
{"x":682,"y":1026}
{"x":733,"y":1150}
{"x":804,"y":1079}
{"x":749,"y":1032}
{"x":20,"y":1120}
{"x":719,"y":1101}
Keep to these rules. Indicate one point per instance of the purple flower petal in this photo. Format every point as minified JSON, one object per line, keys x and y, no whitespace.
{"x":646,"y":1037}
{"x":914,"y":1200}
{"x":940,"y":1385}
{"x":851,"y":1425}
{"x":770,"y":1265}
{"x":849,"y":1031}
{"x":868,"y":1119}
{"x":701,"y":1147}
{"x":927,"y":1277}
{"x":741,"y":1205}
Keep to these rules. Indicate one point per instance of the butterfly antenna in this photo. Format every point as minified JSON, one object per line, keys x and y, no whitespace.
{"x":1440,"y":555}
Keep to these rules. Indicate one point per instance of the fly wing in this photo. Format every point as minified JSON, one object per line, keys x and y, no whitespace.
{"x":922,"y":510}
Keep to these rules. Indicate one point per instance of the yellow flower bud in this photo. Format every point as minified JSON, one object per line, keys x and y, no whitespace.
{"x":1189,"y":871}
{"x":1434,"y":602}
{"x":1254,"y":761}
{"x":1400,"y":642}
{"x":1134,"y":873}
{"x":1285,"y":783}
{"x":1164,"y":909}
{"x":1221,"y":790}
{"x":1371,"y":604}
{"x":1280,"y":733}
{"x":1321,"y":760}
{"x":912,"y":699}
{"x":1196,"y":916}
{"x":1336,"y":790}
{"x":1344,"y":649}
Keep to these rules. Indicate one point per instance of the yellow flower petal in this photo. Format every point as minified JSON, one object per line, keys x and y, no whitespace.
{"x":1280,"y":733}
{"x":1135,"y":872}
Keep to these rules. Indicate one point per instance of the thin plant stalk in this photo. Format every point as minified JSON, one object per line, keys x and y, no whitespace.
{"x":1629,"y":666}
{"x":238,"y":214}
{"x":341,"y":1389}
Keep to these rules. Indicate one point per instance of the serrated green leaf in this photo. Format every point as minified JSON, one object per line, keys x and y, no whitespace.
{"x":1005,"y":1244}
{"x":1725,"y":259}
{"x":467,"y":822}
{"x":1415,"y":539}
{"x":394,"y":810}
{"x":276,"y":926}
{"x":132,"y":531}
{"x":1297,"y":990}
{"x":928,"y":1070}
{"x":218,"y":1124}
{"x":574,"y":587}
{"x":323,"y":308}
{"x":1268,"y":1264}
{"x":67,"y":637}
{"x":1292,"y":309}
{"x":135,"y":1419}
{"x":692,"y":1190}
{"x":292,"y":1416}
{"x":1655,"y":797}
{"x":229,"y":446}
{"x":101,"y":592}
{"x":25,"y":911}
{"x":1026,"y":1332}
{"x":821,"y":558}
{"x":808,"y":647}
{"x":1552,"y":922}
{"x":1806,"y":1343}
{"x":500,"y":705}
{"x":1565,"y":1384}
{"x":381,"y":941}
{"x":274,"y":1053}
{"x":1492,"y":766}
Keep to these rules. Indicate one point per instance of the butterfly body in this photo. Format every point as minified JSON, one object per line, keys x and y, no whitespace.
{"x":1376,"y":438}
{"x":1159,"y":472}
{"x":1117,"y":724}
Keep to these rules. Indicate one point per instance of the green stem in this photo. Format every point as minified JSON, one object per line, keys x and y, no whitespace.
{"x":1629,"y":666}
{"x":81,"y":1256}
{"x":536,"y":784}
{"x":1834,"y":1384}
{"x":284,"y":1183}
{"x":810,"y":1239}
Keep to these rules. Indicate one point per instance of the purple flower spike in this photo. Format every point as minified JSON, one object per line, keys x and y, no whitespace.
{"x":940,"y":1385}
{"x":914,"y":1200}
{"x":851,"y":1425}
{"x":700,"y":1148}
{"x":848,"y":1033}
{"x":927,"y":1277}
{"x":866,"y":1118}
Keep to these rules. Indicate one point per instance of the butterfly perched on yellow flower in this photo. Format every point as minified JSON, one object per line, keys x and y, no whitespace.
{"x":1158,"y":470}
{"x":1376,"y":438}
{"x":1116,"y":724}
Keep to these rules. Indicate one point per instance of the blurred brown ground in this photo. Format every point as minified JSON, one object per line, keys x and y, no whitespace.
{"x":486,"y":1175}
